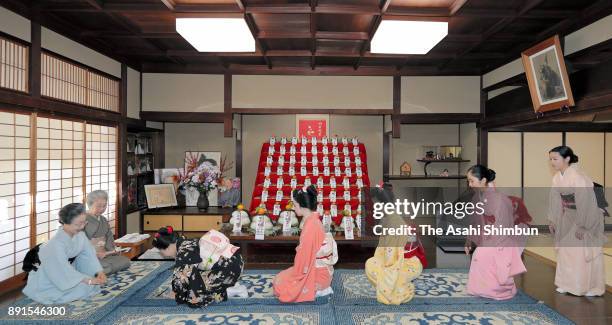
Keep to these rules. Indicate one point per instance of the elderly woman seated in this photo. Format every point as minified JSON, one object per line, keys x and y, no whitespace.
{"x":98,"y":230}
{"x":65,"y":268}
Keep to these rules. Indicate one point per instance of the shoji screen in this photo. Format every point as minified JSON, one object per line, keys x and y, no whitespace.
{"x":504,"y":156}
{"x":59,"y":171}
{"x":101,"y":166}
{"x":65,"y":80}
{"x":15,"y":201}
{"x":537,"y":173}
{"x":589,"y":146}
{"x":13,"y":65}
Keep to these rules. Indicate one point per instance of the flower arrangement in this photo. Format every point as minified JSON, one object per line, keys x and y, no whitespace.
{"x":200,"y":174}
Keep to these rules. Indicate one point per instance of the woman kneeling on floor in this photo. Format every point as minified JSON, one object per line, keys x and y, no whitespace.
{"x":312,"y":270}
{"x":204,"y":268}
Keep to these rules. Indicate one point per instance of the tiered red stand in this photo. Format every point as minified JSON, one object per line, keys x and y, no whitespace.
{"x":272,"y":189}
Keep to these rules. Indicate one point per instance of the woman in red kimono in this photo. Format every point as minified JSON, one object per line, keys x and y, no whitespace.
{"x":312,"y":270}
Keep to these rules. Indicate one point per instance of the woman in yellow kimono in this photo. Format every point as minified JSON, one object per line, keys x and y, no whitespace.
{"x":388,"y":270}
{"x":576,"y":221}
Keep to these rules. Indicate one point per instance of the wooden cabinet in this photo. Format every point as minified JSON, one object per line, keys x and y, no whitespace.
{"x":201,"y":222}
{"x":186,"y":219}
{"x":152,"y":222}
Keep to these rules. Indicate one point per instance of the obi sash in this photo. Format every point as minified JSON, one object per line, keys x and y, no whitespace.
{"x":568,"y":201}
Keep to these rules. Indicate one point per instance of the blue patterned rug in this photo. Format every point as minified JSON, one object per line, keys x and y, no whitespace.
{"x":268,"y":315}
{"x":120,"y":286}
{"x":258,"y":283}
{"x":433,"y":286}
{"x":520,"y":314}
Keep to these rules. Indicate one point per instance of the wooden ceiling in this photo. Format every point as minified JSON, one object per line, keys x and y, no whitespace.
{"x":316,"y":37}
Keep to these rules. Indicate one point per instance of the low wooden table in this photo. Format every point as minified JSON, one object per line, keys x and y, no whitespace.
{"x":136,"y":248}
{"x":246,"y":240}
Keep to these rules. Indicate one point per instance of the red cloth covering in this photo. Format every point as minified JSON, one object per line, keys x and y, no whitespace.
{"x":340,"y":202}
{"x":521,"y":215}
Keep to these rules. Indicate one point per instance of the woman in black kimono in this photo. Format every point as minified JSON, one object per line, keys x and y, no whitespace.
{"x":204,"y":268}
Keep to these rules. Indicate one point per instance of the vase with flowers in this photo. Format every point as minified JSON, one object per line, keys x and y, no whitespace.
{"x":198,"y":178}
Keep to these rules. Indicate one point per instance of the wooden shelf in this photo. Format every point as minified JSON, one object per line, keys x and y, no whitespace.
{"x":404,"y":177}
{"x":429,"y":161}
{"x":442,"y":160}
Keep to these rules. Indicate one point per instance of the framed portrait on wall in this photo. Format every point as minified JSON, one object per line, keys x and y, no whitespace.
{"x":160,"y":195}
{"x":214,"y":157}
{"x":312,"y":125}
{"x":547,"y":76}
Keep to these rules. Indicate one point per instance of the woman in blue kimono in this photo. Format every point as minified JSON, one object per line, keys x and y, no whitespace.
{"x":69,"y":269}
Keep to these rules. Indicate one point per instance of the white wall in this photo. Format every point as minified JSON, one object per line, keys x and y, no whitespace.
{"x":590,"y":148}
{"x":445,"y":94}
{"x":324,"y":92}
{"x":133,"y":93}
{"x":59,"y":44}
{"x":182,"y":92}
{"x":15,"y":25}
{"x":590,"y":35}
{"x":182,"y":137}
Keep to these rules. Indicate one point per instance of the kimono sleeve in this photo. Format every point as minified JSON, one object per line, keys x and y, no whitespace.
{"x":88,"y":259}
{"x":110,"y":238}
{"x":587,"y":212}
{"x":57,"y":268}
{"x":555,"y":207}
{"x":310,"y":242}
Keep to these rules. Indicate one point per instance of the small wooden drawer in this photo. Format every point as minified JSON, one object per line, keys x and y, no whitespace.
{"x":152,"y":222}
{"x":202,"y":223}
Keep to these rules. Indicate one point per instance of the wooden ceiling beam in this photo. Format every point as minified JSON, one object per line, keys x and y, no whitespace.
{"x":170,"y":4}
{"x":589,"y":14}
{"x":497,"y":27}
{"x":313,"y":33}
{"x":375,"y":23}
{"x":154,"y":67}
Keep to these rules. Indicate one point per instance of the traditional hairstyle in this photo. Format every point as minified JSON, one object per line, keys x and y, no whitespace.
{"x":164,"y":237}
{"x":95,"y":196}
{"x":382,"y":193}
{"x":306,"y":197}
{"x":565,"y":151}
{"x":69,"y":212}
{"x":481,"y":171}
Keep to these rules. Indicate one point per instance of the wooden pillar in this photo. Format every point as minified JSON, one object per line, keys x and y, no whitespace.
{"x":35,"y":51}
{"x":122,"y":146}
{"x":228,"y":127}
{"x":397,"y":109}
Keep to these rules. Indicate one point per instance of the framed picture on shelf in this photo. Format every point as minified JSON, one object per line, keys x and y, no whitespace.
{"x":214,"y":157}
{"x":547,"y":77}
{"x":131,"y":143}
{"x":140,"y":145}
{"x":132,"y":193}
{"x":149,"y":146}
{"x":137,"y":169}
{"x":312,"y":125}
{"x":131,"y":165}
{"x":160,"y":195}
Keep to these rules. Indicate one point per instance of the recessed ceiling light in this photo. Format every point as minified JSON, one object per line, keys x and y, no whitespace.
{"x":216,"y":34}
{"x":407,"y":37}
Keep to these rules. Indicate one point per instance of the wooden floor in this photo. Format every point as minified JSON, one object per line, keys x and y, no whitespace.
{"x":537,"y":282}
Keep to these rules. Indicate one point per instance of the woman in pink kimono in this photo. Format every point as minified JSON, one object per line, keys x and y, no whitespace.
{"x":312,"y":270}
{"x":497,"y":258}
{"x":577,"y":224}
